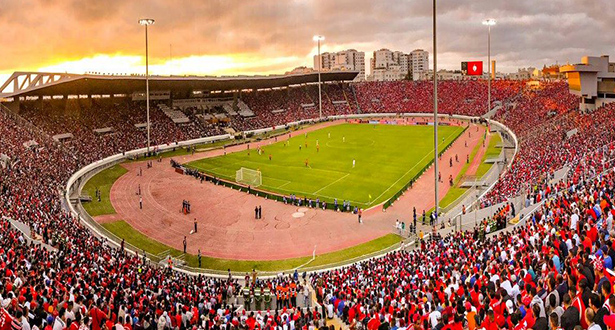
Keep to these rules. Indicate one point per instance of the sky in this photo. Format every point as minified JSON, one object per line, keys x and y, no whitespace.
{"x":235,"y":37}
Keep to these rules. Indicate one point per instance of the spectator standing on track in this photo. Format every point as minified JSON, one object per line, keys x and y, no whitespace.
{"x":260,"y":212}
{"x":140,"y":203}
{"x":256,"y":212}
{"x":195,"y":226}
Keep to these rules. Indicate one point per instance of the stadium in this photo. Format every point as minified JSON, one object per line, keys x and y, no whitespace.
{"x":307,"y":200}
{"x":329,"y":184}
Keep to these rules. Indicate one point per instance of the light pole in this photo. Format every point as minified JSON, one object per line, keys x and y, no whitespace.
{"x":435,"y":111}
{"x":318,"y":39}
{"x":489,"y":22}
{"x":146,"y":22}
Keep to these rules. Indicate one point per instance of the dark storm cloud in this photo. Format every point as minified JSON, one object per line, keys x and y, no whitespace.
{"x":529,"y":32}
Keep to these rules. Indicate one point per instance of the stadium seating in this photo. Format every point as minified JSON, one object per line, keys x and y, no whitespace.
{"x":558,"y":265}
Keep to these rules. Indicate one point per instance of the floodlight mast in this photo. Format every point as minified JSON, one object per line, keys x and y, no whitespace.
{"x":147,"y":22}
{"x":489,"y":23}
{"x":319,"y":38}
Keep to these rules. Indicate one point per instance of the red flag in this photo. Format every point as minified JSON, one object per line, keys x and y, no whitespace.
{"x":475,"y":68}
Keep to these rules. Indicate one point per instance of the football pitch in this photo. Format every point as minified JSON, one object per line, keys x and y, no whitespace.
{"x":386,"y":157}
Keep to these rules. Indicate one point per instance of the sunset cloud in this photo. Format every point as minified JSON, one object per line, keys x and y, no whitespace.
{"x":259,"y":36}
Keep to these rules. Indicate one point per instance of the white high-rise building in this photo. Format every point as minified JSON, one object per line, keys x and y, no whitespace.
{"x":389,"y":65}
{"x":381,"y":60}
{"x":350,"y":60}
{"x":419,"y":61}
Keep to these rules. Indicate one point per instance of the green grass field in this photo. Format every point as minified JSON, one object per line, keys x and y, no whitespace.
{"x":103,"y":181}
{"x":387,"y":157}
{"x":134,"y":237}
{"x":492,"y":152}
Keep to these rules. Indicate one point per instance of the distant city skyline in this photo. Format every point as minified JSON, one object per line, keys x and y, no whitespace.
{"x":264,"y":37}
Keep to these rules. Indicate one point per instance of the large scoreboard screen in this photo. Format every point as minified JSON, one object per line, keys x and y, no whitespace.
{"x":472,"y":68}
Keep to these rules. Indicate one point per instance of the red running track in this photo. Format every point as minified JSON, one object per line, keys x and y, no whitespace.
{"x":226,"y":225}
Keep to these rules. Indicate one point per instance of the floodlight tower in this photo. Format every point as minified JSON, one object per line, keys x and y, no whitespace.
{"x":489,"y":23}
{"x":435,"y":113}
{"x":319,"y":38}
{"x":147,"y":22}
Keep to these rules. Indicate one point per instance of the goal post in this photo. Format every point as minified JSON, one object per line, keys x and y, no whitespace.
{"x":249,"y":176}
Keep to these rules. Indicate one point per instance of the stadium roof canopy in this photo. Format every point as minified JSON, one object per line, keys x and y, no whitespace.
{"x":49,"y":84}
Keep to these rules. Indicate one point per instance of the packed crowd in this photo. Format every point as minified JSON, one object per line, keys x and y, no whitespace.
{"x":454,"y":97}
{"x":80,"y":120}
{"x":554,"y":272}
{"x":75,"y":280}
{"x":280,"y":106}
{"x":566,"y":138}
{"x":78,"y":281}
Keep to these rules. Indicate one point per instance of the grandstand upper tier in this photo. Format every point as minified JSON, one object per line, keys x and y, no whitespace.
{"x":23,"y":84}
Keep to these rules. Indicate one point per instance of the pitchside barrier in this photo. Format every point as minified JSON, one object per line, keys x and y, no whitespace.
{"x":78,"y":179}
{"x":263,"y":193}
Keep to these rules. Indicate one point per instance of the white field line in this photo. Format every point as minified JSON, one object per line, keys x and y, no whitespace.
{"x":327,"y":186}
{"x":291,"y":166}
{"x":284,"y":184}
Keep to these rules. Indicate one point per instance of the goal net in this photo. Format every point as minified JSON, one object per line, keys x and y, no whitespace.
{"x":249,"y":177}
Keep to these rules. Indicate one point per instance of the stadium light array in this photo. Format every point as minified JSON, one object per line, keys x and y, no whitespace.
{"x":146,"y":21}
{"x":489,"y":22}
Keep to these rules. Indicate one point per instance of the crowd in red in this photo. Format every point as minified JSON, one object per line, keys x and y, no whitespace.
{"x":281,"y":106}
{"x":552,"y":272}
{"x":466,"y":97}
{"x":79,"y":281}
{"x":541,"y":120}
